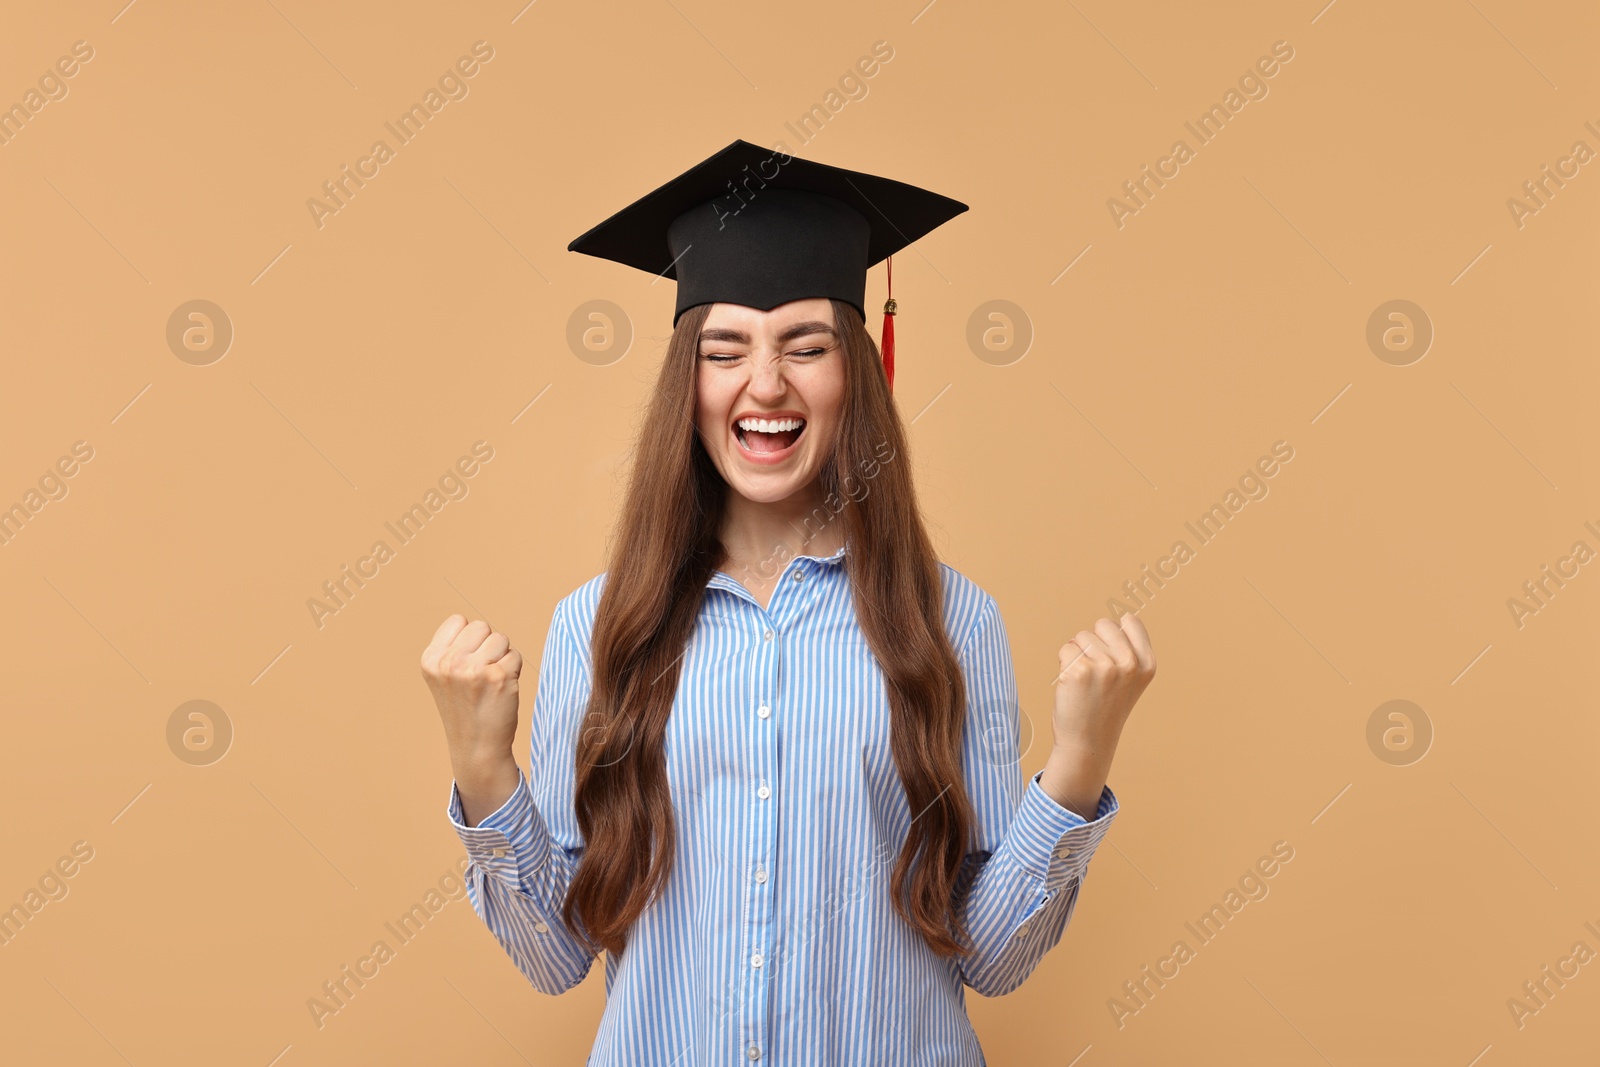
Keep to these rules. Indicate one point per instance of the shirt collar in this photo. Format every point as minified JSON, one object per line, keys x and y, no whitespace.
{"x":837,"y":559}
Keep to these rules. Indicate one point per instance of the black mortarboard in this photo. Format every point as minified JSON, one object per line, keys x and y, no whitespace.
{"x":757,"y":227}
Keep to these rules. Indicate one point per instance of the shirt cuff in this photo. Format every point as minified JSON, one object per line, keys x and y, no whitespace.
{"x":1055,"y":843}
{"x":512,"y":844}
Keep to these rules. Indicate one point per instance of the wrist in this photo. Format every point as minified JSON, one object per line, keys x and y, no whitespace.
{"x":1084,"y":747}
{"x":485,"y":789}
{"x":1074,"y":777}
{"x":478,"y":768}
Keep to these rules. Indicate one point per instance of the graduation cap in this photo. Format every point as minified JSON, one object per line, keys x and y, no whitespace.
{"x":754,"y":226}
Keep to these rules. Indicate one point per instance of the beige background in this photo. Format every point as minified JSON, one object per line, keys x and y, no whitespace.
{"x":1230,"y":312}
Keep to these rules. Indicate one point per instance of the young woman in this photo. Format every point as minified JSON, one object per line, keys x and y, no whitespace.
{"x":775,"y":746}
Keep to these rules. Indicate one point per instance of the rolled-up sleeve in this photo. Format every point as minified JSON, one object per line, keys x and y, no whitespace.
{"x":1019,"y":888}
{"x":523,"y":856}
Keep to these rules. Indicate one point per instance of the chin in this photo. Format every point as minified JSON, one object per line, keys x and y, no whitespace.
{"x":766,"y":492}
{"x":770,"y":489}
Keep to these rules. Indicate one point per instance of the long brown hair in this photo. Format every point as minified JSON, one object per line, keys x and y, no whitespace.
{"x":664,"y":552}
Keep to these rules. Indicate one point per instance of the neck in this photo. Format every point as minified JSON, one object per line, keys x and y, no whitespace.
{"x":764,"y":536}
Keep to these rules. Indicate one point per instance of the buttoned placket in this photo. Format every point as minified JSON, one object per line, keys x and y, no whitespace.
{"x":789,"y":599}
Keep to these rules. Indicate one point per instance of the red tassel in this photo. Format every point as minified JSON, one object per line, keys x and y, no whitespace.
{"x":887,"y":345}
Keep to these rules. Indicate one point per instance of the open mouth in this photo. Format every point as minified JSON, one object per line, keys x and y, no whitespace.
{"x":768,"y":437}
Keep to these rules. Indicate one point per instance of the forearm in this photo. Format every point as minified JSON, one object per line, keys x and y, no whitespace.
{"x":1025,"y":893}
{"x":1076,"y":773}
{"x":518,"y":880}
{"x":485,"y":783}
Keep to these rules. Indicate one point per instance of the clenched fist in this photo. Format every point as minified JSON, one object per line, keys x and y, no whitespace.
{"x":1103,"y":673}
{"x":472,"y":671}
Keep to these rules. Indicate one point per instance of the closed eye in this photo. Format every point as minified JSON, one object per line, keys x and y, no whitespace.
{"x":725,"y":359}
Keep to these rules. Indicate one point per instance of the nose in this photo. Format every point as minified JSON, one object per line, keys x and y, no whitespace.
{"x":766,"y":378}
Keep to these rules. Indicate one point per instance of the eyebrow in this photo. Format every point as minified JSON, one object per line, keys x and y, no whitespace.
{"x":799,"y":329}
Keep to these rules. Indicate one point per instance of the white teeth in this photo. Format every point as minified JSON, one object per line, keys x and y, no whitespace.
{"x":770,"y":425}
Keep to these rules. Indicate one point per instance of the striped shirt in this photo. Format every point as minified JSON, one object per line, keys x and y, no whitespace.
{"x":775,"y":941}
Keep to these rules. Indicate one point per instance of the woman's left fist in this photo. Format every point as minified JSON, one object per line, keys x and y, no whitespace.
{"x":1103,"y":672}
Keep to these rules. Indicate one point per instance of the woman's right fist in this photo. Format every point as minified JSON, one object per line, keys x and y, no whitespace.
{"x":472,"y":671}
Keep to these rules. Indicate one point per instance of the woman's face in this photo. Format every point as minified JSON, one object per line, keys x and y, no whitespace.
{"x":784,"y":366}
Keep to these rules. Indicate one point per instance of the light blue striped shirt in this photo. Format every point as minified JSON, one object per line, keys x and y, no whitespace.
{"x":775,"y":941}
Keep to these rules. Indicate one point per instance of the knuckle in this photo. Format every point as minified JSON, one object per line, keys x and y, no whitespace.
{"x":456,"y":667}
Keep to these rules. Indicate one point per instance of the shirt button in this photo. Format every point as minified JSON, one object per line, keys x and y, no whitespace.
{"x":763,"y":792}
{"x":764,"y":711}
{"x":1022,"y":931}
{"x":499,"y":853}
{"x":755,"y":961}
{"x":541,"y":927}
{"x":799,"y":577}
{"x":767,"y":636}
{"x":1063,"y":853}
{"x":754,"y":1053}
{"x":761,"y":874}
